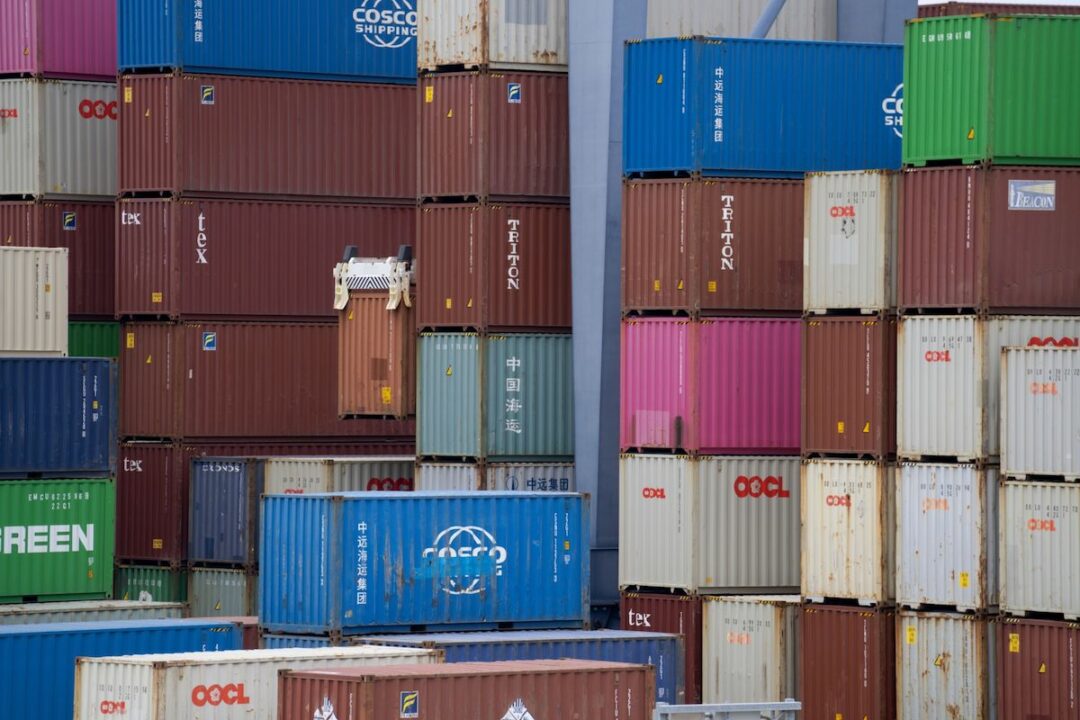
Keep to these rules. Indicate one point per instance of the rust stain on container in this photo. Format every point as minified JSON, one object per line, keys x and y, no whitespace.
{"x":1038,"y":673}
{"x":968,"y":8}
{"x":376,"y":358}
{"x":678,"y":614}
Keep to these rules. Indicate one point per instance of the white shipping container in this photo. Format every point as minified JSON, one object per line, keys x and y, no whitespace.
{"x":450,"y":477}
{"x":1040,"y":548}
{"x":849,"y":250}
{"x":713,"y":524}
{"x":57,"y":138}
{"x":299,"y":475}
{"x":848,"y":531}
{"x":88,"y":611}
{"x":33,"y":300}
{"x":1040,"y":412}
{"x":231,"y":685}
{"x":539,"y":477}
{"x":799,"y":20}
{"x":499,"y":34}
{"x":947,"y":536}
{"x":749,"y":648}
{"x":945,"y":667}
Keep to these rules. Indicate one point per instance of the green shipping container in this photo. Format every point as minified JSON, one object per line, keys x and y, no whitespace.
{"x":57,"y":541}
{"x":448,"y":410}
{"x":90,"y":339}
{"x":1004,"y":89}
{"x":216,"y":592}
{"x":150,"y":583}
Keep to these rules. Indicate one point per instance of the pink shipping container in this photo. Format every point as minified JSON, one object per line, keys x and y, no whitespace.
{"x":74,"y":39}
{"x":659,"y":394}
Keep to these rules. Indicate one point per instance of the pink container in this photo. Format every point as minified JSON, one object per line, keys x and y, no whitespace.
{"x":658,"y":394}
{"x":58,"y":38}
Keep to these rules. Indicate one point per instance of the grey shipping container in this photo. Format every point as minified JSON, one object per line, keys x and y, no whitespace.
{"x":449,"y":476}
{"x":1040,"y":412}
{"x":750,"y":649}
{"x":219,"y":592}
{"x":88,"y":611}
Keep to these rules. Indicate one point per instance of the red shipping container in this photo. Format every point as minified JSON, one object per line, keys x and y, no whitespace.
{"x":237,"y":380}
{"x":216,"y":135}
{"x":246,"y":259}
{"x":1038,"y":673}
{"x":494,"y":135}
{"x":678,"y":614}
{"x":87,"y":230}
{"x":494,"y":267}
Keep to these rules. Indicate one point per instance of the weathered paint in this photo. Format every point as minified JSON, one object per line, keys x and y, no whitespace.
{"x":34,"y":311}
{"x":493,"y":33}
{"x":222,"y":592}
{"x":750,"y":648}
{"x":1040,"y":411}
{"x":88,"y":611}
{"x":945,"y":667}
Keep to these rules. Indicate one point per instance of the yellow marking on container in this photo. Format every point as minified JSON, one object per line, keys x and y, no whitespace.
{"x":680,"y":285}
{"x":712,"y":286}
{"x":1014,"y":642}
{"x":866,"y":428}
{"x":156,"y":297}
{"x":449,"y":303}
{"x":130,"y":341}
{"x":149,"y":359}
{"x":656,"y":285}
{"x":128,"y":95}
{"x":387,"y":395}
{"x":158,"y":544}
{"x":965,"y":579}
{"x":841,"y":427}
{"x":429,"y":94}
{"x":1042,"y":668}
{"x":971,"y":134}
{"x":449,"y":370}
{"x":911,"y":634}
{"x":660,"y":79}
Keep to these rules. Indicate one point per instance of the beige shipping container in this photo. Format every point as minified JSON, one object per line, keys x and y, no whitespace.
{"x":799,"y":20}
{"x":376,"y":358}
{"x":33,"y":301}
{"x":1040,"y":413}
{"x":711,"y":524}
{"x":230,"y":685}
{"x":498,"y":34}
{"x":57,"y":138}
{"x":450,"y":477}
{"x":849,"y":246}
{"x":848,"y":531}
{"x":300,"y":475}
{"x":749,"y":649}
{"x":531,"y":477}
{"x":945,"y":667}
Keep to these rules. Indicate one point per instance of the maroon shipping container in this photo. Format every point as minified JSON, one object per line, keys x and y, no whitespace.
{"x":519,"y":690}
{"x":966,"y":8}
{"x":713,"y":246}
{"x":249,"y":629}
{"x":1038,"y":671}
{"x":849,"y":386}
{"x":997,"y":239}
{"x":494,"y":267}
{"x":239,"y":380}
{"x":494,"y":135}
{"x":86,"y":229}
{"x":678,"y":614}
{"x":204,"y":134}
{"x":848,"y":663}
{"x":244,"y":258}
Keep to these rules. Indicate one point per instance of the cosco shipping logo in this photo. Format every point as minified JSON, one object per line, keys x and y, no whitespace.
{"x":474,"y":549}
{"x":386,"y":23}
{"x":893,"y":107}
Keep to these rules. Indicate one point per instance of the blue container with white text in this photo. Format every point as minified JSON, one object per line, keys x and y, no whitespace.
{"x":223,"y":512}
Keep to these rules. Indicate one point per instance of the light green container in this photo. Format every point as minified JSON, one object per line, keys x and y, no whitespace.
{"x":448,"y":409}
{"x":90,"y":339}
{"x":217,"y":592}
{"x":150,"y":583}
{"x":57,"y":539}
{"x":1004,"y":89}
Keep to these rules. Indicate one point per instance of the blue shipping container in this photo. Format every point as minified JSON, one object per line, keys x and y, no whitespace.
{"x":223,"y":515}
{"x":350,"y":40}
{"x":361,"y":562}
{"x":58,"y":417}
{"x":37,"y":662}
{"x":283,"y":642}
{"x":761,"y":108}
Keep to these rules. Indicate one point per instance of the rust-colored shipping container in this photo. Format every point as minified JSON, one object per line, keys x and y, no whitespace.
{"x":518,"y":690}
{"x":86,"y":229}
{"x":236,"y":380}
{"x":848,"y":662}
{"x":678,"y":614}
{"x":990,"y":238}
{"x":849,"y":386}
{"x":712,"y":245}
{"x":1038,"y":671}
{"x":206,"y":258}
{"x":494,"y":267}
{"x":494,"y":135}
{"x":376,"y":357}
{"x":975,"y":8}
{"x":209,"y":134}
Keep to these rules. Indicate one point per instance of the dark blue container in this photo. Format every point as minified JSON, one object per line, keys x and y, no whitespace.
{"x":280,"y":642}
{"x":58,"y":417}
{"x":223,"y":526}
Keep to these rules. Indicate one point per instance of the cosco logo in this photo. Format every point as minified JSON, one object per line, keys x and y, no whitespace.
{"x":1062,"y":342}
{"x":215,"y":695}
{"x":654,"y":494}
{"x":98,"y":109}
{"x":390,"y":484}
{"x":386,"y":23}
{"x":110,"y":707}
{"x":838,"y":501}
{"x":842,"y":211}
{"x":755,"y":487}
{"x":9,"y":113}
{"x":936,"y":356}
{"x":893,"y":108}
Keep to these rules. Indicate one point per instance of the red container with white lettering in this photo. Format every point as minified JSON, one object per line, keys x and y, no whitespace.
{"x":680,"y":614}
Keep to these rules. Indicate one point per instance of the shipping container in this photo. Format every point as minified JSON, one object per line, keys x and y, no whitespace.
{"x":668,"y":613}
{"x":847,"y":662}
{"x":448,"y":401}
{"x":88,"y":611}
{"x":712,"y":245}
{"x":850,"y":241}
{"x":376,"y":357}
{"x":1040,"y":412}
{"x":503,"y":34}
{"x":1040,"y":548}
{"x":87,"y":230}
{"x":755,"y":108}
{"x":300,"y":475}
{"x":283,"y":642}
{"x":1037,"y":672}
{"x":497,"y":267}
{"x":798,"y":20}
{"x":149,"y":583}
{"x":57,"y":417}
{"x":957,"y":241}
{"x":992,"y":112}
{"x":57,"y":138}
{"x":249,"y":628}
{"x":530,"y":477}
{"x":204,"y":258}
{"x":221,"y":592}
{"x":46,"y":38}
{"x":94,"y":339}
{"x":37,"y":662}
{"x":945,"y":9}
{"x":659,"y":385}
{"x":395,"y":561}
{"x":709,"y":525}
{"x":336,"y":40}
{"x":848,"y":531}
{"x":495,"y":135}
{"x":166,"y":121}
{"x":945,"y":667}
{"x":750,"y":648}
{"x":223,"y":512}
{"x":34,"y":311}
{"x":451,"y":477}
{"x":520,"y":689}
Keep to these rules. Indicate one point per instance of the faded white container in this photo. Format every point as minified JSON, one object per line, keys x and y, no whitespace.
{"x":749,"y":650}
{"x":33,"y":300}
{"x":714,"y":524}
{"x":799,"y":20}
{"x":231,"y":685}
{"x":449,"y":477}
{"x":947,"y":536}
{"x":848,"y":531}
{"x":540,"y":477}
{"x":58,"y":138}
{"x":949,"y":379}
{"x":945,"y":667}
{"x":88,"y":611}
{"x":849,"y":248}
{"x":1040,"y":412}
{"x":499,"y":34}
{"x":1040,"y":548}
{"x":222,"y":592}
{"x":299,"y":475}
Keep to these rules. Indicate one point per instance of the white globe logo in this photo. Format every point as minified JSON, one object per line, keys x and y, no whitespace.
{"x":466,"y":542}
{"x":389,"y":24}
